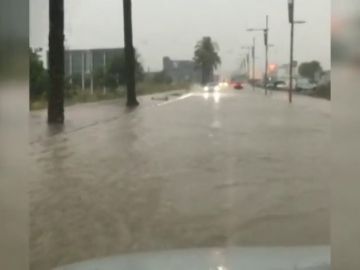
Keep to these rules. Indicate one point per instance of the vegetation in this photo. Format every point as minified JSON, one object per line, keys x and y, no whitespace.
{"x":39,"y":79}
{"x":84,"y":96}
{"x":148,"y":88}
{"x":161,"y":77}
{"x":114,"y":80}
{"x":207,"y":58}
{"x":310,"y":69}
{"x":323,"y":91}
{"x":116,"y":72}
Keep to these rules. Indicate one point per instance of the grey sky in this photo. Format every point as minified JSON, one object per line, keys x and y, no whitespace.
{"x":172,"y":27}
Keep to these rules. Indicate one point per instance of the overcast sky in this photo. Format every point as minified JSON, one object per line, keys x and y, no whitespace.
{"x":172,"y":27}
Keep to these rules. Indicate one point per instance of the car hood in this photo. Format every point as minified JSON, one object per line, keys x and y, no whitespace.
{"x":279,"y":258}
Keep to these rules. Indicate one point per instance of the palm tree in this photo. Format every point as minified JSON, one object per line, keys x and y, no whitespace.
{"x":206,"y":58}
{"x":56,"y":62}
{"x":129,"y":55}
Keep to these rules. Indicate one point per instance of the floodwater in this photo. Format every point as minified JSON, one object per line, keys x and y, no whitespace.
{"x":200,"y":170}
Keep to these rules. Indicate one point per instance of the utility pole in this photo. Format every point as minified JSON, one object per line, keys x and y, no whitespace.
{"x":70,"y":68}
{"x":291,"y":61}
{"x":291,"y":6}
{"x":248,"y":64}
{"x":82,"y":70}
{"x":104,"y":73}
{"x":253,"y":60}
{"x":249,"y":48}
{"x":91,"y":67}
{"x":291,"y":20}
{"x":266,"y":39}
{"x":266,"y":42}
{"x":56,"y":62}
{"x":129,"y":55}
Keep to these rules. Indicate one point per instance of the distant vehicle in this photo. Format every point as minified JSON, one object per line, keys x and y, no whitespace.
{"x":281,"y":85}
{"x":271,"y":85}
{"x":303,"y":84}
{"x":259,"y":83}
{"x":224,"y":84}
{"x":212,"y":87}
{"x":238,"y":86}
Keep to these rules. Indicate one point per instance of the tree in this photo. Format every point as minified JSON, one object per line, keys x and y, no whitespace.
{"x":56,"y":62}
{"x":162,"y":77}
{"x":310,"y":69}
{"x":99,"y":78}
{"x":206,"y":58}
{"x":117,"y":74}
{"x":38,"y":76}
{"x":129,"y":55}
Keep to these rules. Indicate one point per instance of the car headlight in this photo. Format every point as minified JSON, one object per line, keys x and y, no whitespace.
{"x":206,"y":88}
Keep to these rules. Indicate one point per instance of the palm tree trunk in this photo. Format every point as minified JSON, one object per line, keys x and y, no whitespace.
{"x":129,"y":55}
{"x":206,"y":75}
{"x":203,"y":76}
{"x":56,"y":62}
{"x":211,"y":75}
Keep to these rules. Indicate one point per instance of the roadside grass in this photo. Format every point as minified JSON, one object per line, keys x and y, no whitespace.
{"x":148,"y":88}
{"x":75,"y":96}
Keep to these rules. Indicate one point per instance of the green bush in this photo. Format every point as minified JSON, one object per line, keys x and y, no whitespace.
{"x":162,"y":77}
{"x":77,"y":95}
{"x":39,"y":79}
{"x":323,"y":91}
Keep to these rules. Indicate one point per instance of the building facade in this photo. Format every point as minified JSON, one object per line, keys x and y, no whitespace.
{"x":86,"y":62}
{"x":283,"y":72}
{"x":181,"y":70}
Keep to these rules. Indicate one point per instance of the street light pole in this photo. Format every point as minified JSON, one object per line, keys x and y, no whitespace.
{"x":291,"y":5}
{"x":266,"y":41}
{"x":248,"y":64}
{"x":251,"y":54}
{"x":253,"y":67}
{"x":266,"y":36}
{"x":291,"y":61}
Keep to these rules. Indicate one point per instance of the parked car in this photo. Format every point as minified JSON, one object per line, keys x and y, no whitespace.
{"x":304,"y":84}
{"x":280,"y":85}
{"x":271,"y":85}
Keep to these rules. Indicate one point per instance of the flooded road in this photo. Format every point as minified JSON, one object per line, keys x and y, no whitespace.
{"x":235,"y":168}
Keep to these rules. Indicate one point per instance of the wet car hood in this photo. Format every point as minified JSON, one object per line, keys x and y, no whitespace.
{"x":279,"y":258}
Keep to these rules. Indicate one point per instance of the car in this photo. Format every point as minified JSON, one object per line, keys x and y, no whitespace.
{"x":281,"y":85}
{"x":212,"y":87}
{"x":271,"y":85}
{"x":224,"y":84}
{"x":238,"y":86}
{"x":303,"y":84}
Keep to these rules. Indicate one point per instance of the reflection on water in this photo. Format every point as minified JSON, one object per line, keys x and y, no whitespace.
{"x":214,"y":96}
